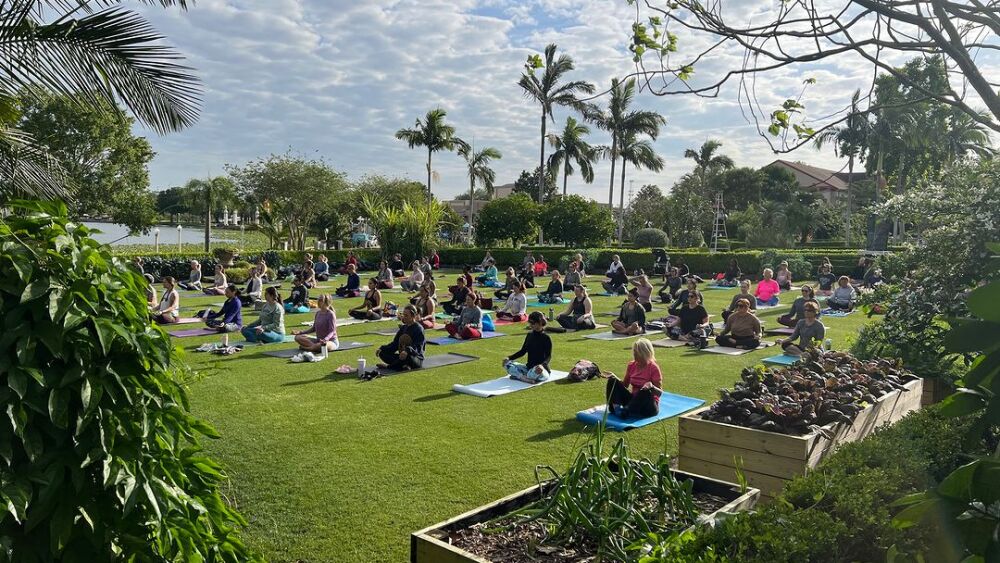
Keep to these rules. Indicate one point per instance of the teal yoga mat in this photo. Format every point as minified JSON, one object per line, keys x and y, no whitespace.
{"x":782,"y":360}
{"x":671,"y":405}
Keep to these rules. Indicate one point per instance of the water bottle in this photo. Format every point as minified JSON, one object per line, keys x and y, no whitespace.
{"x":362,"y":364}
{"x":551,"y":313}
{"x":225,"y":340}
{"x":827,"y":345}
{"x":325,"y":351}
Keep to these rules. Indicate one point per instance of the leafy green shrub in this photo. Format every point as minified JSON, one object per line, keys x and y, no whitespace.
{"x":99,"y":454}
{"x":650,"y":238}
{"x":801,"y":268}
{"x":237,"y":275}
{"x":841,"y":511}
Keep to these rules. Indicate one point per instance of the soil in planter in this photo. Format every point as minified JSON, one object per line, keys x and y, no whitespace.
{"x":507,"y":541}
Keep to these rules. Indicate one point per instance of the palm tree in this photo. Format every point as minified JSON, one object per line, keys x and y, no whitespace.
{"x":707,"y":161}
{"x":966,"y":135}
{"x":569,"y":148}
{"x":548,"y":92}
{"x":478,"y":166}
{"x":432,"y":133}
{"x":849,"y":140}
{"x":623,"y":123}
{"x":100,"y":58}
{"x":638,"y":153}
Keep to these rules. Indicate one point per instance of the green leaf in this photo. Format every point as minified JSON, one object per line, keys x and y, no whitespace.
{"x":61,"y":527}
{"x":958,"y":485}
{"x":205,"y":428}
{"x":984,"y":302}
{"x":975,"y":336}
{"x":59,"y":407}
{"x":983,"y":367}
{"x":962,"y":402}
{"x":34,"y":290}
{"x":17,"y":380}
{"x":17,"y":494}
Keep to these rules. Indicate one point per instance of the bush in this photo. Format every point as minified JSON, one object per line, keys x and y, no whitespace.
{"x":843,"y":510}
{"x":650,"y":238}
{"x":801,"y":268}
{"x":99,"y":455}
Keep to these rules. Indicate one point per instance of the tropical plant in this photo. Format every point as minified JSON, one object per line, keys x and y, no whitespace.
{"x":100,"y":456}
{"x":527,"y":184}
{"x":97,"y":53}
{"x":548,"y":91}
{"x":622,"y":123}
{"x":477,"y":165}
{"x":512,"y":220}
{"x":848,"y":140}
{"x":434,"y":134}
{"x":569,"y":148}
{"x":967,"y":136}
{"x":706,"y":160}
{"x":575,"y":221}
{"x":640,"y":154}
{"x":410,"y":230}
{"x":206,"y":196}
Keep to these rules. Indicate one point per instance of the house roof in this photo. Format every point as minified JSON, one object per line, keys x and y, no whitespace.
{"x":814,"y":177}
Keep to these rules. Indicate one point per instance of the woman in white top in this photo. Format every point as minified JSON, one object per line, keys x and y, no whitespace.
{"x":167,"y":312}
{"x":220,"y":283}
{"x":255,"y":288}
{"x":415,"y":280}
{"x":516,"y":308}
{"x":194,"y":279}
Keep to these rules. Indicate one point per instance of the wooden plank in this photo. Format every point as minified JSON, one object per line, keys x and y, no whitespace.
{"x":769,"y":464}
{"x":768,"y":484}
{"x":426,"y":549}
{"x":693,"y":426}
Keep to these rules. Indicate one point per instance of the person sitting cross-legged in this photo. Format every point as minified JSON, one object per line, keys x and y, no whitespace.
{"x":298,"y":301}
{"x":396,"y":265}
{"x":194,"y":278}
{"x":371,"y":308}
{"x":415,"y":280}
{"x":767,"y":290}
{"x":580,"y":313}
{"x":638,"y":394}
{"x":230,"y":318}
{"x":269,"y":328}
{"x":671,"y":285}
{"x":743,"y":294}
{"x":617,"y":280}
{"x":645,"y":291}
{"x":321,"y":268}
{"x":693,"y":320}
{"x":797,"y":313}
{"x":324,"y":326}
{"x":459,"y":294}
{"x":468,"y":325}
{"x":406,"y":351}
{"x":219,"y":282}
{"x":742,"y":328}
{"x":844,"y":296}
{"x":553,"y":293}
{"x":538,"y":346}
{"x":516,"y":307}
{"x":632,"y":317}
{"x":353,"y":286}
{"x":809,"y":332}
{"x":489,"y":276}
{"x":384,"y":277}
{"x":168,"y":309}
{"x":508,"y":286}
{"x":425,"y":305}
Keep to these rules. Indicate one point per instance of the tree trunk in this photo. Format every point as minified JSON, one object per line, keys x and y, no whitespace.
{"x":472,"y":199}
{"x":541,"y":175}
{"x":208,"y":217}
{"x":621,"y":205}
{"x":565,"y":177}
{"x":429,"y":154}
{"x":850,"y":183}
{"x":614,"y":159}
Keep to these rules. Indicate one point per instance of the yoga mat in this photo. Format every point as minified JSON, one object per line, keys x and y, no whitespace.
{"x":669,"y":343}
{"x":833,"y":313}
{"x":781,"y":330}
{"x":670,"y":406}
{"x":782,"y":360}
{"x":445,"y":340}
{"x":245,"y":343}
{"x":720,"y":287}
{"x":540,"y":304}
{"x":203,"y":331}
{"x":569,"y":330}
{"x":734,"y":351}
{"x":504,"y":322}
{"x":503,"y":385}
{"x":610,"y":336}
{"x":393,"y":331}
{"x":437,"y":361}
{"x":289,"y":352}
{"x":187,"y":321}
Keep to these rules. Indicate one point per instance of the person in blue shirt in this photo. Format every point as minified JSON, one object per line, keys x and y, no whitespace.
{"x":489,"y":277}
{"x":230,"y":318}
{"x":353,"y":287}
{"x":322,"y":268}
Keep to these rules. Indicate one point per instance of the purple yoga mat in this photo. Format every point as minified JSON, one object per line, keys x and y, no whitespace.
{"x":202,"y":331}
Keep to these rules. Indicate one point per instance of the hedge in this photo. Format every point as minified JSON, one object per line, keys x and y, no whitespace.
{"x":700,"y":261}
{"x":843,"y":510}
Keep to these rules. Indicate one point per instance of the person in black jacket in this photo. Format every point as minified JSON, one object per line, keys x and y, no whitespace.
{"x":406,"y":351}
{"x":458,"y":296}
{"x":538,"y":346}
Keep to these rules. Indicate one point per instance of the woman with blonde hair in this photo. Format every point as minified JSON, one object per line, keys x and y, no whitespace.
{"x":220,"y":283}
{"x":638,"y":394}
{"x":324,"y":326}
{"x":415,"y":280}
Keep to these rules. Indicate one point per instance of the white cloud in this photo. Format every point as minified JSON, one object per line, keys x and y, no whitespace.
{"x":338,"y":78}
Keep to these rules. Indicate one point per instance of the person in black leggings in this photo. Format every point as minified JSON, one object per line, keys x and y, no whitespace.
{"x":580,"y":313}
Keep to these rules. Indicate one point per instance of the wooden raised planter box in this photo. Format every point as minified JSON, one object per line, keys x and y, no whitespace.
{"x":769,"y":459}
{"x":935,"y":390}
{"x":432,"y":544}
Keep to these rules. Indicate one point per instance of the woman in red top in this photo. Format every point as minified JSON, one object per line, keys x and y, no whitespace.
{"x":435,"y":261}
{"x":638,"y":395}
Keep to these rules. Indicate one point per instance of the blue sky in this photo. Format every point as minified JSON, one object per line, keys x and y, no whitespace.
{"x":337,"y":78}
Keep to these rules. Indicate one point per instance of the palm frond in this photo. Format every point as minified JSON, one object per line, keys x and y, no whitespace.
{"x":111,"y":55}
{"x":28,"y":170}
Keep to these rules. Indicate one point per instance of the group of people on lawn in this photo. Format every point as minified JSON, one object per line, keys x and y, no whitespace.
{"x":635,"y":395}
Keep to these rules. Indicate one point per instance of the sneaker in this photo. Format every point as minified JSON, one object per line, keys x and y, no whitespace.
{"x":299,"y":358}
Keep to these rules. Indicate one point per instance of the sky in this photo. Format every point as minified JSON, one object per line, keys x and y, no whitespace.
{"x":336,"y":79}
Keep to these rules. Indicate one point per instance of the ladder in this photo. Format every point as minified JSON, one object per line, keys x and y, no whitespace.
{"x":720,"y":238}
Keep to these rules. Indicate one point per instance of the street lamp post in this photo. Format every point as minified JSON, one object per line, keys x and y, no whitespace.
{"x":179,"y":228}
{"x":156,"y":240}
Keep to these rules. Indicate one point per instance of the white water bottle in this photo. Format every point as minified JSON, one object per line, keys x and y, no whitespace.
{"x":325,"y":351}
{"x":362,"y":364}
{"x":827,"y":345}
{"x":225,"y":340}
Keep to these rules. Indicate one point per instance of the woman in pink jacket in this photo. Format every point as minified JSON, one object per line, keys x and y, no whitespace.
{"x":767,"y":290}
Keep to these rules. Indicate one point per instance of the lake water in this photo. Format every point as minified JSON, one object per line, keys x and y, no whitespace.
{"x":118,"y":234}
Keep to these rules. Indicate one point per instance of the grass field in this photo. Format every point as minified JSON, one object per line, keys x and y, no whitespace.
{"x":328,"y":468}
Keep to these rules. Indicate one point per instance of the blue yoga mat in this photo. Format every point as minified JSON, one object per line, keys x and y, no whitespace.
{"x":670,"y":406}
{"x":540,"y":304}
{"x":782,"y":360}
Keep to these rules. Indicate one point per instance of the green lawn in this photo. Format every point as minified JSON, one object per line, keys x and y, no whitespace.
{"x":327,"y":468}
